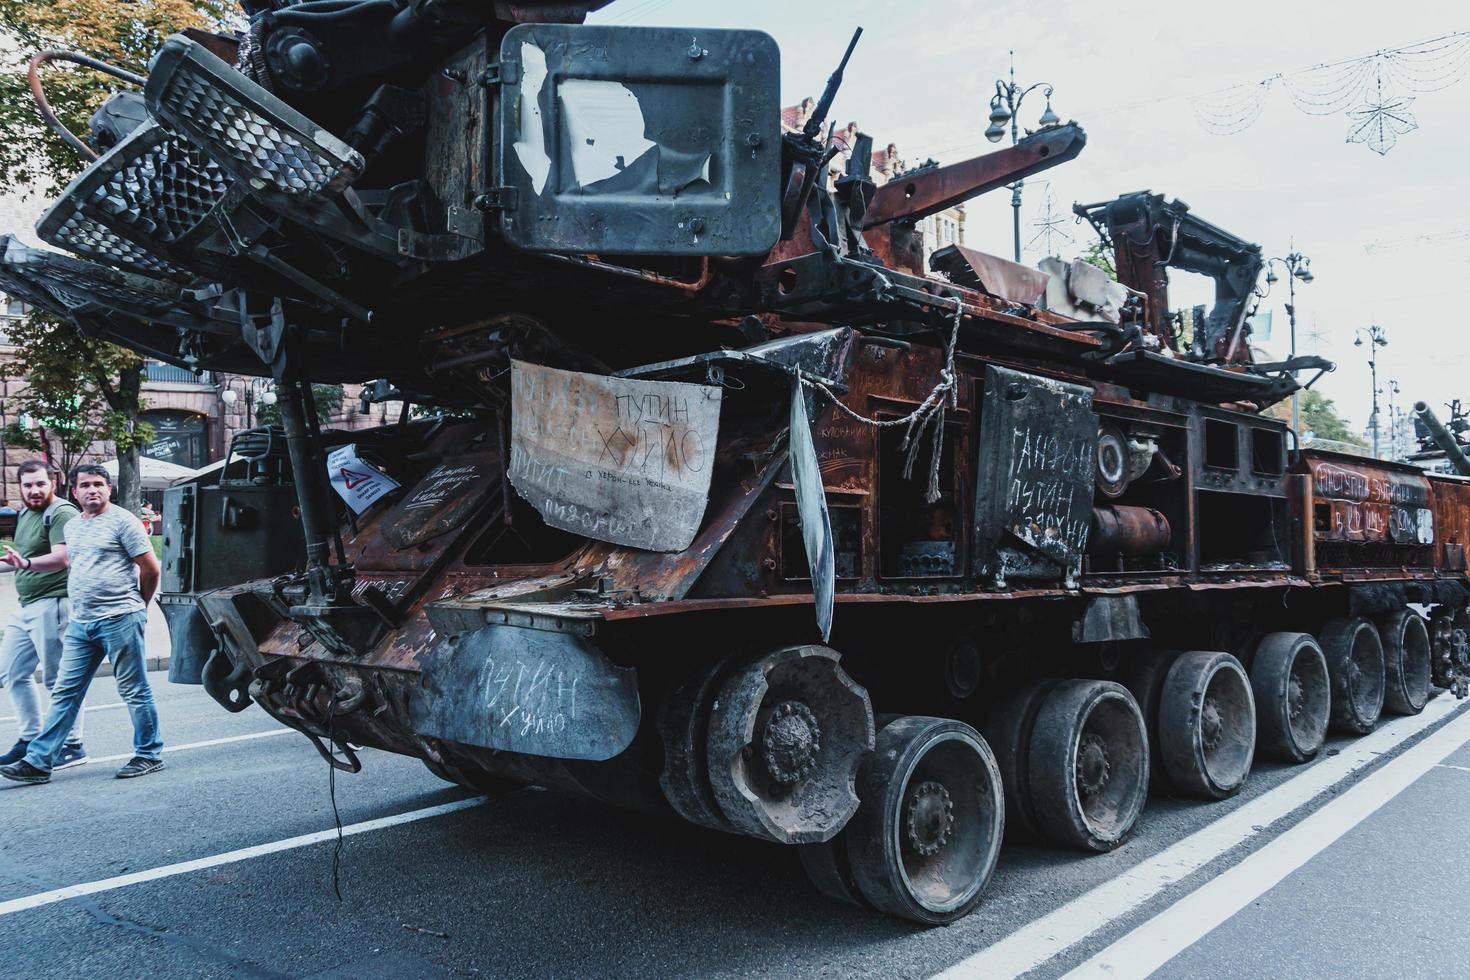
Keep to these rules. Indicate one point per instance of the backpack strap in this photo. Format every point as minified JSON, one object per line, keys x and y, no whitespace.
{"x":50,"y":514}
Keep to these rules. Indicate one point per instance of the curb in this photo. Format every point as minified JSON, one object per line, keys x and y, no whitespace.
{"x":153,"y":664}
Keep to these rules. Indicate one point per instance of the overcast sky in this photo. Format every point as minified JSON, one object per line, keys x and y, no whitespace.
{"x":1389,"y":236}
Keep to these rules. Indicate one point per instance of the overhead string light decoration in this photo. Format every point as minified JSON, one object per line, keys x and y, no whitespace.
{"x":1371,"y":91}
{"x":1051,"y":225}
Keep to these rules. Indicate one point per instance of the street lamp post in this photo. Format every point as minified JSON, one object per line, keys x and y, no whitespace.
{"x":1393,"y":420}
{"x":1297,"y":266}
{"x":1377,"y":337}
{"x":1004,"y":107}
{"x":252,"y":389}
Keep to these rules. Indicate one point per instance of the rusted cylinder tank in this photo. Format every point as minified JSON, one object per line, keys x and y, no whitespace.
{"x":1129,"y":530}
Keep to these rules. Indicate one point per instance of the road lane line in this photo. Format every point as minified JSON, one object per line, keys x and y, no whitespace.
{"x":1046,"y":937}
{"x":85,"y":707}
{"x":56,"y":895}
{"x":1190,"y":919}
{"x":201,"y":745}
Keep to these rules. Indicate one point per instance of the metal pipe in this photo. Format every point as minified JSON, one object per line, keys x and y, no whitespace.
{"x":1129,"y":530}
{"x":307,"y":471}
{"x":1443,"y":438}
{"x":33,"y":75}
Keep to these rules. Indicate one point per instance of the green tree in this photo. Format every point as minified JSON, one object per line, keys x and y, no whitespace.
{"x":123,"y":34}
{"x":1319,"y":417}
{"x":87,"y":388}
{"x":328,"y":399}
{"x":78,"y":392}
{"x":1100,"y":255}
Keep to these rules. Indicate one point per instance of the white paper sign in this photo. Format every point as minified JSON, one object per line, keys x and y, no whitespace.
{"x":358,"y":482}
{"x":615,"y":459}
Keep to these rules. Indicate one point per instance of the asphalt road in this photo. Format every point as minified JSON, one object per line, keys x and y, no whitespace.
{"x":535,"y":883}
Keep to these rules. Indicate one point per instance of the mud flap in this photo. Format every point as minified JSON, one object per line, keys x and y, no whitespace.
{"x":530,"y":691}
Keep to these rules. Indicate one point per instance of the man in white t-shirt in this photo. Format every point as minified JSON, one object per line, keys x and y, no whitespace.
{"x":113,"y":573}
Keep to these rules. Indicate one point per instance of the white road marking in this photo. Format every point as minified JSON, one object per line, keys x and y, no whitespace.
{"x":168,"y":749}
{"x":1044,"y":938}
{"x":1188,"y":920}
{"x":100,"y":707}
{"x":85,"y":707}
{"x":229,"y":857}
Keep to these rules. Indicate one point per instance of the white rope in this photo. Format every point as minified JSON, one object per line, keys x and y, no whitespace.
{"x":930,"y":412}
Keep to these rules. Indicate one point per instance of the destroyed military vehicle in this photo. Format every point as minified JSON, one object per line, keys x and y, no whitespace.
{"x":707,"y":495}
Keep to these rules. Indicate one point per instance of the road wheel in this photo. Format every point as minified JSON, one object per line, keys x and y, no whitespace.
{"x":1293,"y":696}
{"x":829,"y":868}
{"x":1407,"y":662}
{"x":786,"y":735}
{"x":926,"y":838}
{"x":1088,"y":765}
{"x":1355,"y":665}
{"x":1144,"y":675}
{"x":683,"y":726}
{"x":1007,"y":729}
{"x":1207,"y":724}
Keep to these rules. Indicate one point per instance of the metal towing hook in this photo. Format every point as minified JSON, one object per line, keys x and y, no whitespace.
{"x":295,"y":692}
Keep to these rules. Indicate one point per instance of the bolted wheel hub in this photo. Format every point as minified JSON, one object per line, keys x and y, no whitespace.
{"x":790,"y":742}
{"x":929,"y":819}
{"x":1211,"y":723}
{"x":1093,"y":767}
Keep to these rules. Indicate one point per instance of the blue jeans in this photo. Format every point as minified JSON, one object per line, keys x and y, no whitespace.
{"x":84,"y":647}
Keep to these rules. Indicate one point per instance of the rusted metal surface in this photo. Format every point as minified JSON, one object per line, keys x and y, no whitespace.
{"x":1367,"y":502}
{"x":991,"y":274}
{"x":1129,"y":530}
{"x":928,"y":192}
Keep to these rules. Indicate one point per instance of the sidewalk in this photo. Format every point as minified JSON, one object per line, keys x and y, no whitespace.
{"x":155,"y":639}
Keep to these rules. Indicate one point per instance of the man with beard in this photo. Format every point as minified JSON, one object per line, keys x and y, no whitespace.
{"x":113,"y":575}
{"x":33,"y":634}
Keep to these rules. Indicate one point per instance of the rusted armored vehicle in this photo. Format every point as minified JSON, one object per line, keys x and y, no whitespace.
{"x":708,"y":495}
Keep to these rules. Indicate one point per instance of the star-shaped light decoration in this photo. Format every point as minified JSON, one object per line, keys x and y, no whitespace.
{"x":1050,"y":224}
{"x":1380,"y":124}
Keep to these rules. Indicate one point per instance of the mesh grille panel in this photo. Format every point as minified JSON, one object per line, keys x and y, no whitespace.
{"x":274,"y":157}
{"x":163,"y":192}
{"x":82,"y":235}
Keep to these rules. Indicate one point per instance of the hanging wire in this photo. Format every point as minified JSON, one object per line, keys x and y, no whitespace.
{"x":931,"y":411}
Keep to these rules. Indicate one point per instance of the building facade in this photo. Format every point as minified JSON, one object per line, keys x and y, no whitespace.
{"x":947,"y":227}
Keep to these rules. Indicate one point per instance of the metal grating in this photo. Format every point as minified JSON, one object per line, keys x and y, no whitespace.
{"x":80,"y":234}
{"x":76,"y":283}
{"x":163,"y":190}
{"x":244,"y":128}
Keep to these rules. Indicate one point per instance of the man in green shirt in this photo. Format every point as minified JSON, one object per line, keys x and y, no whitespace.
{"x":34,"y":631}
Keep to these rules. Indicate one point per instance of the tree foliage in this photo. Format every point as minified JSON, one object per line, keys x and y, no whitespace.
{"x":78,"y":392}
{"x":328,"y":399}
{"x":1101,"y":256}
{"x":1319,"y":417}
{"x":82,"y":389}
{"x":124,"y":34}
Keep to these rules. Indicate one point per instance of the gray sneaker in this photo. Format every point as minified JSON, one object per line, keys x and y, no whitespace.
{"x":70,"y":755}
{"x":139,"y":766}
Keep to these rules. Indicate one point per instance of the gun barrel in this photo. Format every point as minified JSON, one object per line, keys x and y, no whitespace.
{"x":819,"y":111}
{"x":931,"y":191}
{"x":1443,"y":438}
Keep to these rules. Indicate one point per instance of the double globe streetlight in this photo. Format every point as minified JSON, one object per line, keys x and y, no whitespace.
{"x":1298,"y":267}
{"x":1004,"y":106}
{"x":1376,"y":337}
{"x":256,"y":389}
